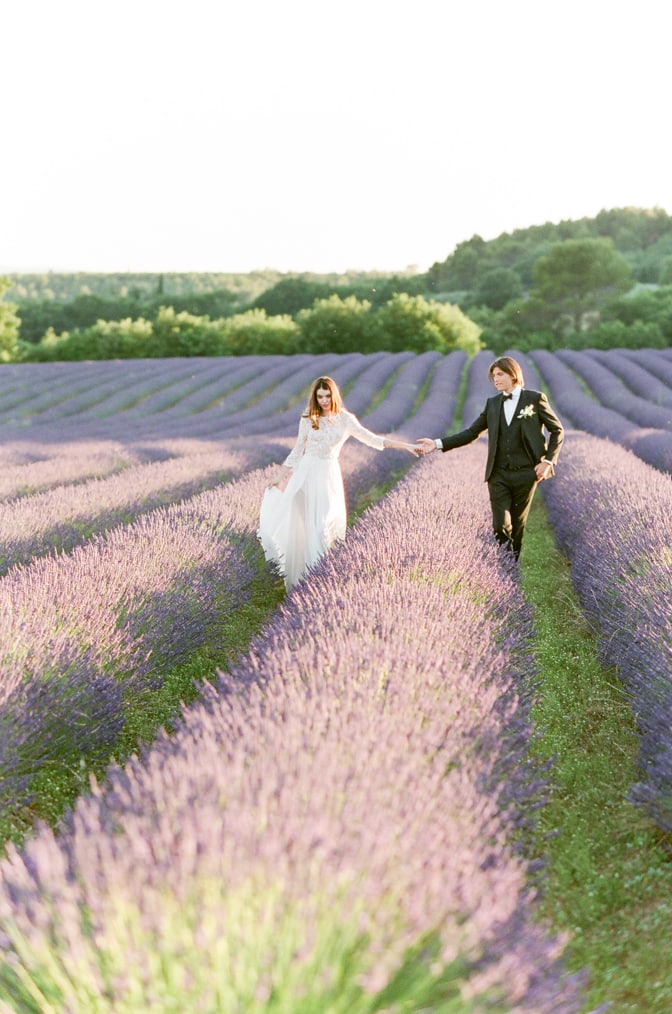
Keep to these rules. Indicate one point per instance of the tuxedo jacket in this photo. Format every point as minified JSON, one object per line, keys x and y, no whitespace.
{"x":533,"y":421}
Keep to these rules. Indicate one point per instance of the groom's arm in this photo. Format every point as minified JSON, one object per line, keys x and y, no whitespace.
{"x":461,"y":439}
{"x":555,"y":429}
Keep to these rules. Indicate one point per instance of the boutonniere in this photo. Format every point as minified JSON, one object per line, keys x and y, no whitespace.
{"x":526,"y":413}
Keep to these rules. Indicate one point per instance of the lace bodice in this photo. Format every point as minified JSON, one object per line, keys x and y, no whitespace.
{"x":326,"y":442}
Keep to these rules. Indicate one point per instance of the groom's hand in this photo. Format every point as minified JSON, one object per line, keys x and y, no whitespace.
{"x":426,"y":445}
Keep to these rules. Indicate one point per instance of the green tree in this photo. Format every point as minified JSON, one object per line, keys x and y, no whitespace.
{"x":37,"y":317}
{"x":614,"y":334}
{"x":183,"y":334}
{"x":665,"y":276}
{"x":336,"y":325}
{"x":215,"y":304}
{"x":107,"y":339}
{"x":9,"y":325}
{"x":291,"y":295}
{"x":498,"y":287}
{"x":412,"y":323}
{"x":255,"y":333}
{"x":650,"y":306}
{"x":577,"y":278}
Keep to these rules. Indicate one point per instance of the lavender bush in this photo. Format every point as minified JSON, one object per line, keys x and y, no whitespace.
{"x":654,"y":361}
{"x":27,"y":390}
{"x":578,"y":409}
{"x":401,"y":393}
{"x":613,"y":393}
{"x":329,"y":829}
{"x":114,"y":614}
{"x":436,"y":411}
{"x":31,"y":468}
{"x":641,"y":379}
{"x":365,"y":469}
{"x":479,"y":388}
{"x":62,"y":518}
{"x":612,"y":515}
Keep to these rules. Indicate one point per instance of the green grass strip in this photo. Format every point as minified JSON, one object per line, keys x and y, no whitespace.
{"x":609,"y":879}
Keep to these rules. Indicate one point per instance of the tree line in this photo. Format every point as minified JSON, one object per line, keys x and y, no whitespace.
{"x":599,"y":282}
{"x":333,"y":324}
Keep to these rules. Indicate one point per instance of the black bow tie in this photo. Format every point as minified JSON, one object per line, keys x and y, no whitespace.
{"x":507,"y":397}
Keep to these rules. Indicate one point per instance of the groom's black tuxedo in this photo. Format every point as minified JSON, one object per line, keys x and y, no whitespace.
{"x":529,"y":437}
{"x":514,"y":448}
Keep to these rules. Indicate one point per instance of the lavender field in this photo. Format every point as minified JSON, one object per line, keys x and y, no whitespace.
{"x":338,"y":823}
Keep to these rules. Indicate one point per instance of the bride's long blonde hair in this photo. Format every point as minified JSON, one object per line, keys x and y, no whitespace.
{"x":313,"y":409}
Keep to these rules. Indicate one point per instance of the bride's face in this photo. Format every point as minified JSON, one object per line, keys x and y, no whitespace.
{"x":323,"y":395}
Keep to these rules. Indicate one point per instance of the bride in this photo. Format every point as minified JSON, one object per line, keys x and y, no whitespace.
{"x":298,"y":524}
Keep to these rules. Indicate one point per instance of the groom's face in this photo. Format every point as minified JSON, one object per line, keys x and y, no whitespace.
{"x":502,"y":381}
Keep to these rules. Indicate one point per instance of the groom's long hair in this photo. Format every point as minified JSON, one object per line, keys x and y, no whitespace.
{"x":508,"y":365}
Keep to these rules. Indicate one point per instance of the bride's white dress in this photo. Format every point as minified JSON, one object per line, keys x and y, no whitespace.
{"x":298,"y":524}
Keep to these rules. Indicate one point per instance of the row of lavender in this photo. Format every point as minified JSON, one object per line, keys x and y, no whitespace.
{"x":85,"y":634}
{"x":612,"y":515}
{"x":331,"y":826}
{"x":67,"y":514}
{"x":624,"y":395}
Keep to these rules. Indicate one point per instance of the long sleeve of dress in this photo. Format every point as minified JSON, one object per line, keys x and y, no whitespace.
{"x":359,"y":432}
{"x":299,"y":449}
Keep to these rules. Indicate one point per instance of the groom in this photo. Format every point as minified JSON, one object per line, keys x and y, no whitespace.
{"x":518,"y":456}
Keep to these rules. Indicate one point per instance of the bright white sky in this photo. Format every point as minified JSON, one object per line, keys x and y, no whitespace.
{"x":313,"y":135}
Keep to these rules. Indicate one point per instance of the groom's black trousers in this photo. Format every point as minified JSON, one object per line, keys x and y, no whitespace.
{"x":511,"y":493}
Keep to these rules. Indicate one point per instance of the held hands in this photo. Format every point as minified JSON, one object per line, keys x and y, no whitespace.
{"x":413,"y":448}
{"x":403,"y":445}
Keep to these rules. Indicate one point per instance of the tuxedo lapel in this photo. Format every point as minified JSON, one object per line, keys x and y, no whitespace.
{"x":495,"y":409}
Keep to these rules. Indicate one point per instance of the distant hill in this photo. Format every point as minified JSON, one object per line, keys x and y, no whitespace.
{"x":149,"y":287}
{"x":642,"y":236}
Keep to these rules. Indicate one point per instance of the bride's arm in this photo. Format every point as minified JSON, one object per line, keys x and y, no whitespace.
{"x":297,"y":452}
{"x":401,"y":445}
{"x":291,"y":461}
{"x":374,"y":440}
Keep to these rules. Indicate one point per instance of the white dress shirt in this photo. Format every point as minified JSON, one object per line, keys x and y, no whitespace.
{"x":511,"y":404}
